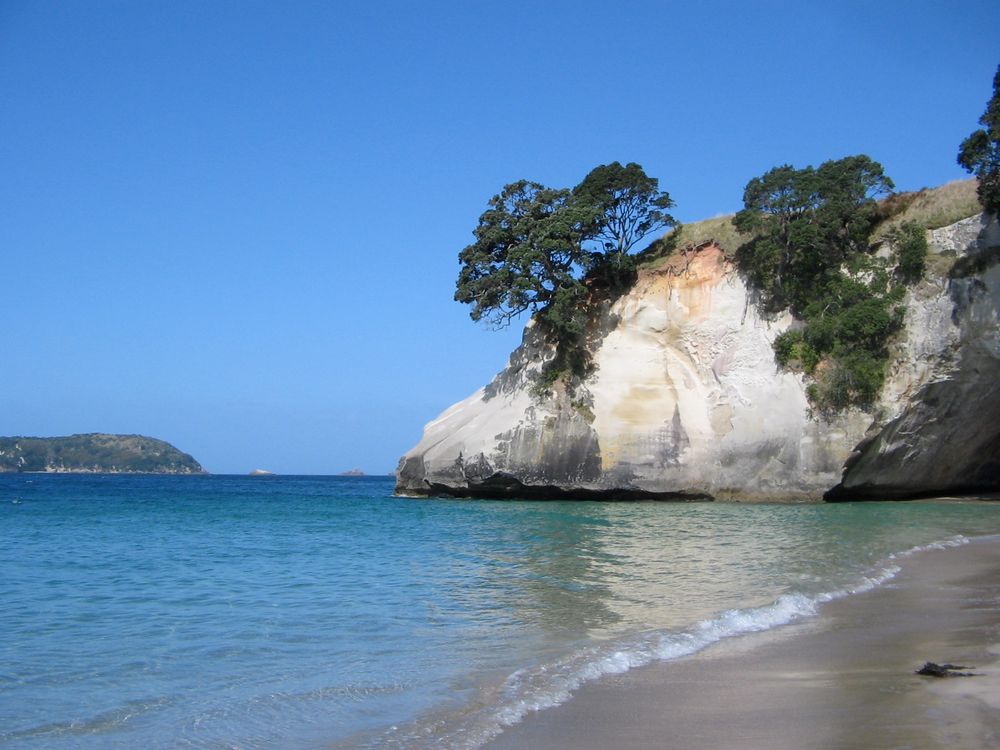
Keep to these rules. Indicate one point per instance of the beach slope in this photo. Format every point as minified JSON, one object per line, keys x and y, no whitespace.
{"x":845,"y":679}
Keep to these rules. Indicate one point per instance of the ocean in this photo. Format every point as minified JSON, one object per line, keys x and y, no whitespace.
{"x":319,"y":612}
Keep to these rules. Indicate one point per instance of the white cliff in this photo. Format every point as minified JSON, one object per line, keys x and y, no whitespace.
{"x":685,"y":399}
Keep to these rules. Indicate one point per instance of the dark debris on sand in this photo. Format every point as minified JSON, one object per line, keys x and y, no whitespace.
{"x":930,"y":669}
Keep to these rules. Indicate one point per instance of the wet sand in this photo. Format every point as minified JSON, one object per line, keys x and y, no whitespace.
{"x":843,"y":680}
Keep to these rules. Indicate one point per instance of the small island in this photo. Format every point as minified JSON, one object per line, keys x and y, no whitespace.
{"x":94,"y":453}
{"x":352,"y":473}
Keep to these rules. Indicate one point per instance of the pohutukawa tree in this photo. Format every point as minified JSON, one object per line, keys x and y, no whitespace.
{"x":811,"y":252}
{"x":806,"y":222}
{"x":627,"y":205}
{"x":527,"y":249}
{"x":980,"y":152}
{"x":535,"y":245}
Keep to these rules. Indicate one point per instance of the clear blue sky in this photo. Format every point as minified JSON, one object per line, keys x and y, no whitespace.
{"x":234,"y":225}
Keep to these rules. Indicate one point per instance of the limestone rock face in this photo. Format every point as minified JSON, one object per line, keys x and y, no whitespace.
{"x":685,"y":401}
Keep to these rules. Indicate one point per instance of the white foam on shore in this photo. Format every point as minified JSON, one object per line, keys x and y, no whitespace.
{"x":955,"y":541}
{"x":546,"y":686}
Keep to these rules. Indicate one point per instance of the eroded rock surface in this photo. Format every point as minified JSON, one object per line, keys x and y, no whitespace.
{"x":686,"y":402}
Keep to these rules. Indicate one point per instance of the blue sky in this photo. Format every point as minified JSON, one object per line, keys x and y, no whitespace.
{"x":234,"y":225}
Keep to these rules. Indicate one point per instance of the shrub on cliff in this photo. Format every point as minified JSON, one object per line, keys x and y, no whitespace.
{"x":980,"y":152}
{"x":910,"y":243}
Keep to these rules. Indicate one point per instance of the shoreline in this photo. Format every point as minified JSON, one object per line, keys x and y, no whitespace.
{"x":843,"y":679}
{"x":550,"y":494}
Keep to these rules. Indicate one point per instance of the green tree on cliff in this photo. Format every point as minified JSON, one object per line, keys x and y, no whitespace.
{"x":805,"y":223}
{"x":980,"y":152}
{"x":810,"y":252}
{"x":527,"y":251}
{"x":534,"y":246}
{"x":627,"y":205}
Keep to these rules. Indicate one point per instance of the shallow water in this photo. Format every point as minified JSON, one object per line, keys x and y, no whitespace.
{"x":300,"y":612}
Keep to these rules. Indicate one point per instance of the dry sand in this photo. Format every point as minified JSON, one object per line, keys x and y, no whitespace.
{"x":843,"y":680}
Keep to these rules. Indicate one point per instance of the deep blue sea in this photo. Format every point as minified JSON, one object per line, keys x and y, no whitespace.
{"x":318,"y":612}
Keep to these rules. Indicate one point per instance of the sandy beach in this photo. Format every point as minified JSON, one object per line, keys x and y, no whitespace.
{"x":844,"y":679}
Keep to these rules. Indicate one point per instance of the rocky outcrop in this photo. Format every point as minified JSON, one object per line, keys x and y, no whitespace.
{"x":939,"y":430}
{"x":685,"y":400}
{"x":94,"y":453}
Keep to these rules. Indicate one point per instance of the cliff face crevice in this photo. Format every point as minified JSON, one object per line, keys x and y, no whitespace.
{"x":685,"y":400}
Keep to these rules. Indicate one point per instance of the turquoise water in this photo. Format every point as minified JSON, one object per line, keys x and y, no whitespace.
{"x":305,"y":612}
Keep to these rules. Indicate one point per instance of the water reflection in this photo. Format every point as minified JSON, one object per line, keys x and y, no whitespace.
{"x":594,"y":570}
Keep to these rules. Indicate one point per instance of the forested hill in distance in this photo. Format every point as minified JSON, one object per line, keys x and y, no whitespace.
{"x":95,"y":453}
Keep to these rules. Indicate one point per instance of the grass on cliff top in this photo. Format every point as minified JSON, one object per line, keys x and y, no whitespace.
{"x":932,"y":208}
{"x":718,"y":229}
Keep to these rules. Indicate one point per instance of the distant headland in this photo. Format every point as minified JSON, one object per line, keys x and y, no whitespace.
{"x":94,"y":453}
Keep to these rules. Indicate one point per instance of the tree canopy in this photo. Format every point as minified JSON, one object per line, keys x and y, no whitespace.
{"x":806,"y":223}
{"x":980,"y":152}
{"x":534,"y":246}
{"x":527,"y":250}
{"x":810,"y":252}
{"x":627,"y":205}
